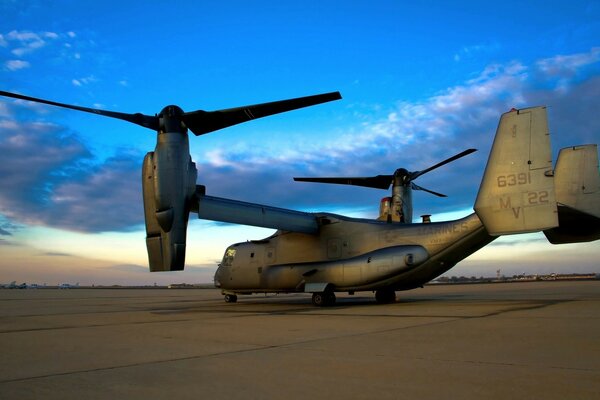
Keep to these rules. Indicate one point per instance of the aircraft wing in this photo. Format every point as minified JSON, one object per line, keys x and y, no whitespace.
{"x":240,"y":212}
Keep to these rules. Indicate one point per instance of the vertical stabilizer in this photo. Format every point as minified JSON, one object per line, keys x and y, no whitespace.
{"x":577,"y":179}
{"x":577,"y":182}
{"x":517,"y":191}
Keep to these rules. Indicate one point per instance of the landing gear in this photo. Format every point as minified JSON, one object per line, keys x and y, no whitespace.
{"x":385,"y":296}
{"x":323,"y":299}
{"x":230,"y":298}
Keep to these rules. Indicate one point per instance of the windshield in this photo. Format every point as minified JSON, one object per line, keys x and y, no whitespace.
{"x":228,"y":257}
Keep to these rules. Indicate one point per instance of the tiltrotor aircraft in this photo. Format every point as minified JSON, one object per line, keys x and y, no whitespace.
{"x":323,"y":253}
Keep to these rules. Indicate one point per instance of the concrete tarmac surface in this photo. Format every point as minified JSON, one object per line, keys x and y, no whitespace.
{"x":536,"y":340}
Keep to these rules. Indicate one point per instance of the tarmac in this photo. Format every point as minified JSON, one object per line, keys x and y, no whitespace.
{"x":535,"y":340}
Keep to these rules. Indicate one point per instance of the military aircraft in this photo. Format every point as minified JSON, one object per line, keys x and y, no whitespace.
{"x":14,"y":285}
{"x":68,"y":285}
{"x":323,"y":253}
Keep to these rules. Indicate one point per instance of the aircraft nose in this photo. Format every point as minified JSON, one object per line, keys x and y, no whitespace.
{"x":218,"y":276}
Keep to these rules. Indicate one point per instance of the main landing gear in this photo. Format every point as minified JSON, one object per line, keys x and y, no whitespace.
{"x":385,"y":296}
{"x":230,"y":298}
{"x":323,"y":299}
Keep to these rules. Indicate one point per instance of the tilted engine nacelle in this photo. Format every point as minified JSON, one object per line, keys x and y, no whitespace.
{"x":169,"y":175}
{"x":169,"y":184}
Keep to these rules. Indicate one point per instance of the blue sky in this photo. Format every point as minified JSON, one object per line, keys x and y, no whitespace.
{"x":420,"y":82}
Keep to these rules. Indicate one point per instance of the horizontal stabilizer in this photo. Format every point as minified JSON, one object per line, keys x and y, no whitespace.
{"x":517,"y":191}
{"x":574,"y":227}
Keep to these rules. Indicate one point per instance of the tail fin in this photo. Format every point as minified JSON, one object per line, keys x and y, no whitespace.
{"x":517,"y":191}
{"x":577,"y":183}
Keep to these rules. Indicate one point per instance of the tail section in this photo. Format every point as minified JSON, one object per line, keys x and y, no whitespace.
{"x":517,"y":191}
{"x":577,"y":181}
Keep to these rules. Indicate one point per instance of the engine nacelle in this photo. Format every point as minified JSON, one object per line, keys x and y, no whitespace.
{"x":169,"y":184}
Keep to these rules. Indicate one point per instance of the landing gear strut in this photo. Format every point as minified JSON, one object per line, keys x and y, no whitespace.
{"x":323,"y":299}
{"x":230,"y":298}
{"x":385,"y":296}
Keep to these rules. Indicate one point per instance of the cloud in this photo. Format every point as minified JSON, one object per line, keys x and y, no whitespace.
{"x":15,"y":65}
{"x":54,"y":180}
{"x":471,"y":51}
{"x":27,"y":41}
{"x":416,"y":135}
{"x":84,"y":81}
{"x":55,"y":254}
{"x":108,"y":197}
{"x":24,"y":44}
{"x":568,"y":64}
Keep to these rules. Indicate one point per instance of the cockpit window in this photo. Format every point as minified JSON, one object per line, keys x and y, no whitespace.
{"x":228,"y":257}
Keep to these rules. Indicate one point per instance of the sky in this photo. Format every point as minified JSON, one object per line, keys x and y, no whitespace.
{"x":420,"y":80}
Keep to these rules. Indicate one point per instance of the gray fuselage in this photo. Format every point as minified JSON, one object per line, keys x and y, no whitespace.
{"x":350,"y":254}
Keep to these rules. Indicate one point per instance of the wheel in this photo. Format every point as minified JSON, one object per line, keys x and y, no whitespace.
{"x":385,"y":296}
{"x":230,"y":298}
{"x":330,"y":297}
{"x":319,"y":299}
{"x":323,"y":299}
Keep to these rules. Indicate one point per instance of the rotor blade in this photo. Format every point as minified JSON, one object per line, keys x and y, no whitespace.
{"x":201,"y":122}
{"x":416,"y":174}
{"x":417,"y":187}
{"x":377,"y":182}
{"x":146,"y":121}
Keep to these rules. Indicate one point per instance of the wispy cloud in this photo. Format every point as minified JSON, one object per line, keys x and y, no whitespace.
{"x":55,"y":254}
{"x":416,"y":135}
{"x":27,"y":41}
{"x":24,"y":43}
{"x":15,"y":65}
{"x":84,"y":81}
{"x":568,"y":64}
{"x":471,"y":51}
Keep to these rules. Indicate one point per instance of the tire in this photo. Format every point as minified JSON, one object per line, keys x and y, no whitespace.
{"x":323,"y":299}
{"x":319,"y":299}
{"x":230,"y":298}
{"x":385,"y":296}
{"x":330,"y":299}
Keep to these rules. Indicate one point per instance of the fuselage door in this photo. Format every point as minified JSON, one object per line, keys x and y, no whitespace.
{"x":334,"y":248}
